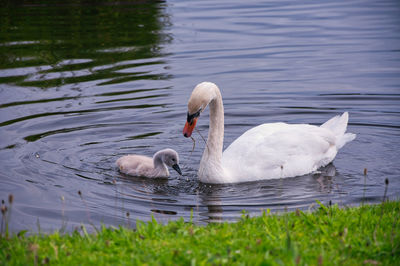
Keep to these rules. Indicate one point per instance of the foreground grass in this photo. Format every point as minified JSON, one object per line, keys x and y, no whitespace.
{"x":329,"y":236}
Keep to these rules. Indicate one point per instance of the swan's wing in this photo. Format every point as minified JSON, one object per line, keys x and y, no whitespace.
{"x":278,"y":150}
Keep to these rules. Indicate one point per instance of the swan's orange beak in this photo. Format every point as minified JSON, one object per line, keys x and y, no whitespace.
{"x":189,"y":126}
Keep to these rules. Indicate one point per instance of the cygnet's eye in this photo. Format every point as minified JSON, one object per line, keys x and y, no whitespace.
{"x":173,"y":159}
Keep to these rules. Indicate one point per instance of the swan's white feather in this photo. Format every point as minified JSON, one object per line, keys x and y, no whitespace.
{"x":278,"y":150}
{"x":268,"y":151}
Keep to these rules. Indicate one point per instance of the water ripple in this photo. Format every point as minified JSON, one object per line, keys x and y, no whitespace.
{"x":78,"y":92}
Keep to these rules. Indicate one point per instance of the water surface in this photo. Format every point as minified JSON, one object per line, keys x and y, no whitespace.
{"x":82,"y":85}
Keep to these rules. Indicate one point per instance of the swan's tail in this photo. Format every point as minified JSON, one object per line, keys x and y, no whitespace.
{"x":338,"y":126}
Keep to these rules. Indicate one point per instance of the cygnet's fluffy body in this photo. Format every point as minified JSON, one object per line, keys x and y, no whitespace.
{"x":156,"y":167}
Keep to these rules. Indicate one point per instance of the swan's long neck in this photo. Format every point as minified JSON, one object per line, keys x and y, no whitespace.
{"x":215,"y":138}
{"x":211,"y":169}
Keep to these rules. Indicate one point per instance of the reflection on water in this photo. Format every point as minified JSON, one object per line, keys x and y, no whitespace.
{"x":50,"y":44}
{"x":82,"y":85}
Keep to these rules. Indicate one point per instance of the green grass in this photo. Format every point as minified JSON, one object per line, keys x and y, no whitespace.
{"x":368,"y":234}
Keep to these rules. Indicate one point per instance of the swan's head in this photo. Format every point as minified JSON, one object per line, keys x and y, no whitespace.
{"x":171,"y":158}
{"x":201,"y":96}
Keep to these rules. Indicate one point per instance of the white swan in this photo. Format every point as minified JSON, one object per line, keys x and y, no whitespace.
{"x":156,"y":167}
{"x":267,"y":151}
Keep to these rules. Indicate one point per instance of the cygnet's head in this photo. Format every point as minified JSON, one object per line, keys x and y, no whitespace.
{"x":171,"y":158}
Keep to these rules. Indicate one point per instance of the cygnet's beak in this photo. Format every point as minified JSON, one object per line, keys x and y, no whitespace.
{"x":189,"y":126}
{"x":177,"y":168}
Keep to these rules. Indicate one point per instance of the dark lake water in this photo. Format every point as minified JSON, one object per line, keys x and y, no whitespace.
{"x":82,"y":85}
